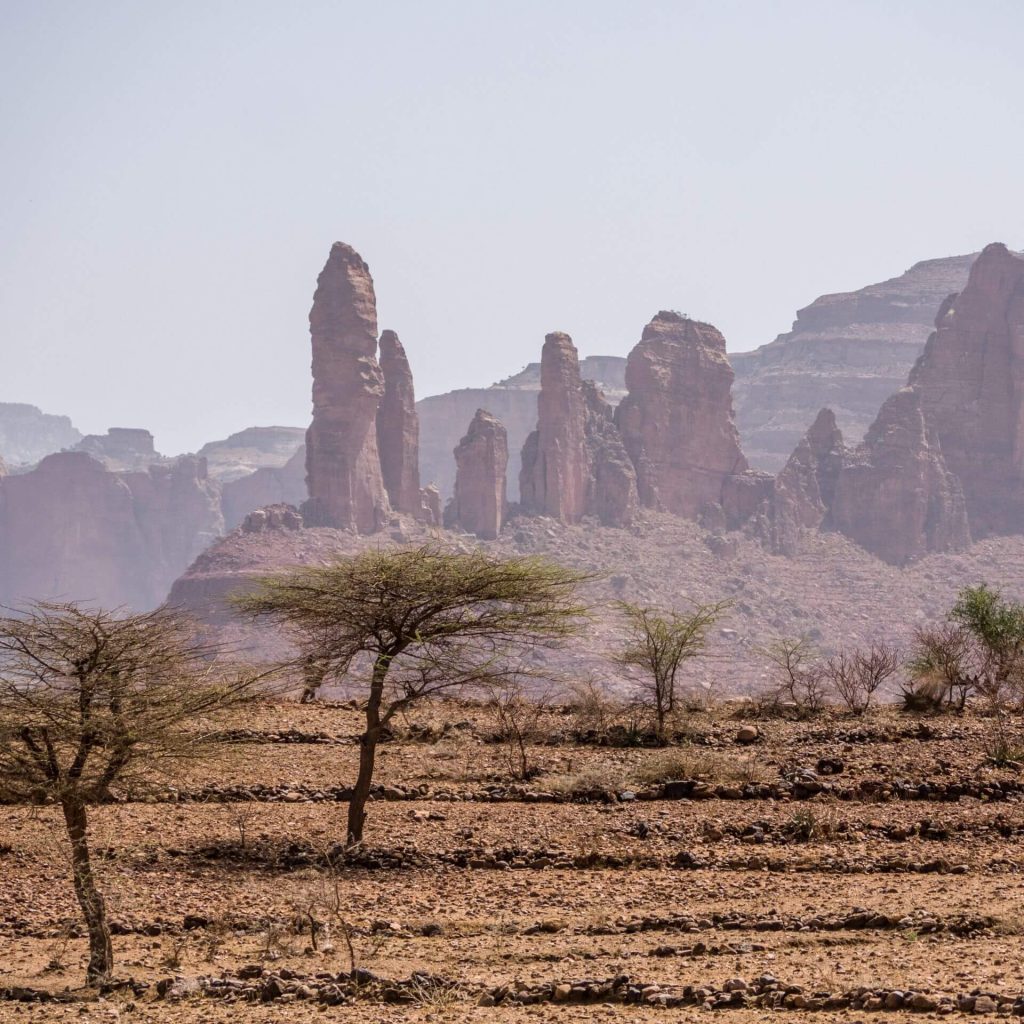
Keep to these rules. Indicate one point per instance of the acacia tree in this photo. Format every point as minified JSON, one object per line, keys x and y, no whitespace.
{"x":413,"y":622}
{"x":92,"y":700}
{"x":658,"y":642}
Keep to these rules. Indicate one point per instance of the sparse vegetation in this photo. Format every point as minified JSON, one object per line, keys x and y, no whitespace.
{"x":417,"y":622}
{"x":91,"y":700}
{"x":658,"y":643}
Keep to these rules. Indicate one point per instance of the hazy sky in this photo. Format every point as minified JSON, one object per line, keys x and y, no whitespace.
{"x":173,"y":175}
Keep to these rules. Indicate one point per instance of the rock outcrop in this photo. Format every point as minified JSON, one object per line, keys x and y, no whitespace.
{"x":848,"y":351}
{"x":805,"y":489}
{"x":270,"y":485}
{"x":514,"y":401}
{"x":28,"y":434}
{"x":895,"y":496}
{"x":346,"y":487}
{"x":892,"y":494}
{"x":574,"y":463}
{"x":479,"y":503}
{"x":398,"y":428}
{"x":73,"y":530}
{"x":676,"y":420}
{"x":970,"y":380}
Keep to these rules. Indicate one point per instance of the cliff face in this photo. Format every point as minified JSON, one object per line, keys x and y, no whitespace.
{"x":443,"y":418}
{"x":970,"y":380}
{"x":269,"y":485}
{"x":398,"y":429}
{"x":847,"y":351}
{"x":894,"y":495}
{"x":73,"y":530}
{"x":574,"y":464}
{"x":676,"y":420}
{"x":479,"y":504}
{"x":346,"y":487}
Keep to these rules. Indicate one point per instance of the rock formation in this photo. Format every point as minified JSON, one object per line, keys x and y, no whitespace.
{"x":514,"y":401}
{"x":27,"y":434}
{"x":346,"y":487}
{"x":970,"y":379}
{"x":848,"y":351}
{"x":676,"y":420}
{"x":73,"y":530}
{"x":270,"y":485}
{"x":805,"y":489}
{"x":481,"y":459}
{"x":398,"y":429}
{"x":574,"y":463}
{"x":894,"y":496}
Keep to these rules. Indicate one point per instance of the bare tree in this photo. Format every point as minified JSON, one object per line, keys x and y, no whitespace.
{"x":418,"y":622}
{"x":855,"y":676}
{"x":658,"y":642}
{"x":91,"y":700}
{"x":799,"y":674}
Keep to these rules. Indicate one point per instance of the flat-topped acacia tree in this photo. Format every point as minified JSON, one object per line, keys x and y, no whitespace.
{"x":414,"y":622}
{"x":94,"y":700}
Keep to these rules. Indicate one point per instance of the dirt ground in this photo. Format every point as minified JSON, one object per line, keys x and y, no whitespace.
{"x":899,"y":881}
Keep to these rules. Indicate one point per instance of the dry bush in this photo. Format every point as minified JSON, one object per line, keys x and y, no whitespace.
{"x":856,"y":676}
{"x":799,"y":677}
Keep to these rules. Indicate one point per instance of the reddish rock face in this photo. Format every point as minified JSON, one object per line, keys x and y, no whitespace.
{"x":72,"y":530}
{"x":894,"y":496}
{"x":346,"y":487}
{"x":805,"y":489}
{"x":676,"y":421}
{"x":398,"y":428}
{"x":970,"y":379}
{"x":574,"y":463}
{"x":478,"y":505}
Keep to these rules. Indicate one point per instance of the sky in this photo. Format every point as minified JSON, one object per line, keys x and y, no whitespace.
{"x":173,"y":176}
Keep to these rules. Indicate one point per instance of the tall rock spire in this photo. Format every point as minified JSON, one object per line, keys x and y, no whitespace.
{"x":970,"y":381}
{"x":343,"y":471}
{"x":398,"y":428}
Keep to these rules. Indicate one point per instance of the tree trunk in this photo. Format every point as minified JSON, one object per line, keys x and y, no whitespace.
{"x":367,"y":752}
{"x":101,"y":953}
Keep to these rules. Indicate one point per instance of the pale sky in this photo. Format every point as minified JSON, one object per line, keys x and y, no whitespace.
{"x":174,"y":174}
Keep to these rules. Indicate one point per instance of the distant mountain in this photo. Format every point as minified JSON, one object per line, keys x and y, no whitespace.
{"x":27,"y":434}
{"x":848,"y":351}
